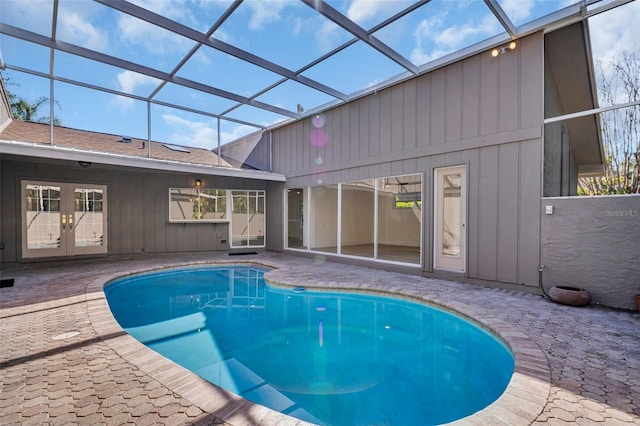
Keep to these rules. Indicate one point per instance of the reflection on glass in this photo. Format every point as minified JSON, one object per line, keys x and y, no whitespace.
{"x":87,"y":222}
{"x":357,"y":226}
{"x":247,"y":218}
{"x":197,"y":204}
{"x":296,"y":236}
{"x":43,"y":216}
{"x":399,"y":218}
{"x":451,"y":215}
{"x":324,"y":218}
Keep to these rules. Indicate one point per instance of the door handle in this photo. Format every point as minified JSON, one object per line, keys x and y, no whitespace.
{"x":64,"y":222}
{"x":70,"y":222}
{"x":462,"y":224}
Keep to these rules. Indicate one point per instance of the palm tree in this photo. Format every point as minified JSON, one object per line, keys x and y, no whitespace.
{"x":24,"y":110}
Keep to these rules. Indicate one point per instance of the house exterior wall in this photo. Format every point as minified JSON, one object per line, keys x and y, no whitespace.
{"x":592,"y":243}
{"x":482,"y":112}
{"x":138,"y":206}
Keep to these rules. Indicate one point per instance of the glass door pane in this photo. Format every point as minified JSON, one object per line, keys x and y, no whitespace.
{"x":324,"y":218}
{"x":239,"y":221}
{"x":296,"y":233}
{"x":256,"y":218}
{"x":450,"y":217}
{"x":42,"y":219}
{"x":451,"y":230}
{"x":357,"y":219}
{"x":247,"y":219}
{"x":400,"y":218}
{"x":88,"y":218}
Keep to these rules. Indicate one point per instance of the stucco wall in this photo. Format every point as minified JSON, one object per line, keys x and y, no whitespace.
{"x":593,"y":243}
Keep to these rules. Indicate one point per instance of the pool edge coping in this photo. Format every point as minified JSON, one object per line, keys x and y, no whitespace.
{"x":521,"y":403}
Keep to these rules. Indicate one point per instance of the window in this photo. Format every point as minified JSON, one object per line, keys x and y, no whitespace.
{"x":187,"y":204}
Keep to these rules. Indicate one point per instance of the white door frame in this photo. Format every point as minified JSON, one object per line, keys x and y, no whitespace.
{"x":454,"y":259}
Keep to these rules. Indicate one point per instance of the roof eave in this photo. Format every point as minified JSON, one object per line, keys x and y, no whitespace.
{"x":28,"y":149}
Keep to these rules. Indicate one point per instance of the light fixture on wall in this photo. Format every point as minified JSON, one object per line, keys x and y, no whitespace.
{"x":198,"y":183}
{"x":84,"y":164}
{"x":504,"y":49}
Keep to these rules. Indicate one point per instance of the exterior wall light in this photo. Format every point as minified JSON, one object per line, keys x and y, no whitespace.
{"x":84,"y":164}
{"x":198,"y":183}
{"x":504,"y":49}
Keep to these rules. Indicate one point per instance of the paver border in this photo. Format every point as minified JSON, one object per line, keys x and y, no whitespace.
{"x":521,"y":403}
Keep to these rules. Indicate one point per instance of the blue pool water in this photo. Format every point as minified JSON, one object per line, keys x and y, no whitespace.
{"x":329,"y":358}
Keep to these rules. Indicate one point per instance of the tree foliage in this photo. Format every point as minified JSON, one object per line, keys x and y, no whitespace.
{"x":618,"y":83}
{"x":25,"y":110}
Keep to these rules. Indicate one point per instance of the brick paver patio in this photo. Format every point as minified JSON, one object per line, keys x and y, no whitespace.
{"x":64,"y":360}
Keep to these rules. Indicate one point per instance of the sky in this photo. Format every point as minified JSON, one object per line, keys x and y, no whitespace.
{"x":286,"y":33}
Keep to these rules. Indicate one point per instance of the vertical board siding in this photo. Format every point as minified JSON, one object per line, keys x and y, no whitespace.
{"x":488,"y":213}
{"x":508,"y":91}
{"x":375,"y":131}
{"x":137,"y":207}
{"x":453,"y":106}
{"x":507,"y":253}
{"x":488,"y":95}
{"x":478,"y":100}
{"x":471,"y":98}
{"x":396,"y":126}
{"x":437,"y":108}
{"x":384,"y":121}
{"x":409,"y":116}
{"x":423,"y":114}
{"x":531,"y":82}
{"x":362,"y":143}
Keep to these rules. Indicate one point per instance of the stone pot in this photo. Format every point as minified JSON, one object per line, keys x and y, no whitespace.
{"x":571,"y":296}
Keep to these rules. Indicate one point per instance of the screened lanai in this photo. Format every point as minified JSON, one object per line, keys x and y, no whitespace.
{"x":203,"y":74}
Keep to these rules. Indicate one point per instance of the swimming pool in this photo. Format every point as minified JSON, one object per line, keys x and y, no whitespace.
{"x":333,"y":358}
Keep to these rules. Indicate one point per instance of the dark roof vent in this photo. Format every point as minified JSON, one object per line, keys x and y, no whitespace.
{"x":127,"y":139}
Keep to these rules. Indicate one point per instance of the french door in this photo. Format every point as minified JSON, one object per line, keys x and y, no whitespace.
{"x":450,"y":218}
{"x":63,"y":219}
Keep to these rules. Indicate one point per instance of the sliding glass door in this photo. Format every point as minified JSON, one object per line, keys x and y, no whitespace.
{"x":377,"y":219}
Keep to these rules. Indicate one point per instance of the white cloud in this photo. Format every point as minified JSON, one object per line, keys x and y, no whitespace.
{"x":327,"y":36}
{"x":237,"y":132}
{"x":265,"y":12}
{"x":615,"y":31}
{"x":518,"y":10}
{"x":454,"y":37}
{"x":191,"y":133}
{"x":34,"y":15}
{"x":129,"y":81}
{"x":153,"y":39}
{"x":362,"y":11}
{"x":77,"y":29}
{"x":433,"y":40}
